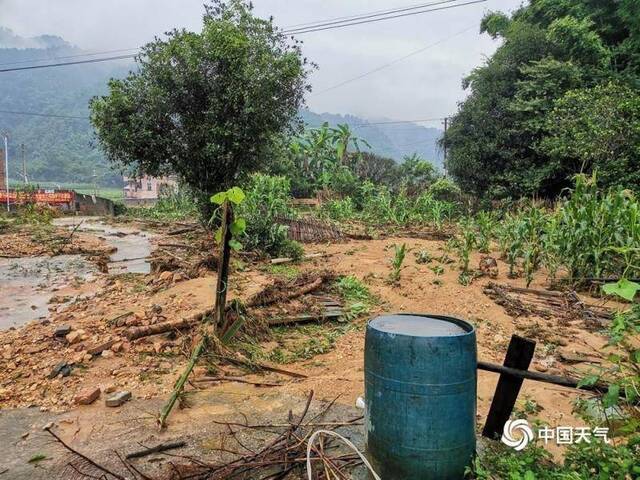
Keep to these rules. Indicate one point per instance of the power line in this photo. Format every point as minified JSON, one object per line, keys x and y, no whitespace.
{"x":78,"y":62}
{"x":349,"y":17}
{"x":373,"y":20}
{"x":297,"y":32}
{"x":88,"y":54}
{"x":362,"y":16}
{"x":48,"y":115}
{"x":393,"y":62}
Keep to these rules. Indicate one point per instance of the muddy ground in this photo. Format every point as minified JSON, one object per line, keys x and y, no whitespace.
{"x":99,"y":311}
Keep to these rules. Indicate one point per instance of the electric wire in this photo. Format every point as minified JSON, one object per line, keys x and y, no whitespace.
{"x":393,"y":62}
{"x":310,"y":30}
{"x":363,"y":16}
{"x":373,"y":20}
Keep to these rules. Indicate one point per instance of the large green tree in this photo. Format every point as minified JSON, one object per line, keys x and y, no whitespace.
{"x":497,"y":144}
{"x":206,"y":106}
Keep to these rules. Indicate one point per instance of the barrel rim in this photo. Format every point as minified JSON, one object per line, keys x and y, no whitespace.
{"x":469,"y":328}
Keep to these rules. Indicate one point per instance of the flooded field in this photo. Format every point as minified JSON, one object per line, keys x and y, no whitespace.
{"x":29,"y":283}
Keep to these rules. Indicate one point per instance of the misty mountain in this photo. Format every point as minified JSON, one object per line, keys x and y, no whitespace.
{"x":64,"y":149}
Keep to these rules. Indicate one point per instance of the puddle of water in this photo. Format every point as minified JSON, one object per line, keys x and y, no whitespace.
{"x":28,"y":283}
{"x":133,"y":246}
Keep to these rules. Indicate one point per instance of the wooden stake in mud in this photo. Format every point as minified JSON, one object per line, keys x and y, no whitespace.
{"x":519,"y":355}
{"x":218,"y":312}
{"x":223,"y":267}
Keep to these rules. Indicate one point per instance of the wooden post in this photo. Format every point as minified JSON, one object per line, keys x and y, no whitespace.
{"x":223,"y":267}
{"x":519,"y":355}
{"x":218,"y":314}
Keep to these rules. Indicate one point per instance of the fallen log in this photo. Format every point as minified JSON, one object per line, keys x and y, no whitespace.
{"x":262,"y":300}
{"x":134,"y":333}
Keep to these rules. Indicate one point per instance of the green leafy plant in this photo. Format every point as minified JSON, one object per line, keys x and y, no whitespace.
{"x":400,"y":252}
{"x":234,"y":196}
{"x":464,"y":244}
{"x":266,"y":205}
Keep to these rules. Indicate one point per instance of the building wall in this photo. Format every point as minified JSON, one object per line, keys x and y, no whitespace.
{"x":92,"y":205}
{"x":147,"y":188}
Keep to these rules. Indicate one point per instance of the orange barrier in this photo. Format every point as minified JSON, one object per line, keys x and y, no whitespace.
{"x":49,"y":197}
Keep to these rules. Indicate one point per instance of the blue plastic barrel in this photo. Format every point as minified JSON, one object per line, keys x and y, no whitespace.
{"x":420,"y":396}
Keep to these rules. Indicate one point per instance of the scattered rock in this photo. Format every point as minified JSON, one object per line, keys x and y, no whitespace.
{"x":87,"y":396}
{"x":117,"y":399}
{"x":100,"y":348}
{"x":48,"y":426}
{"x":166,"y":276}
{"x":179,"y":277}
{"x":62,"y":331}
{"x":107,"y":354}
{"x":74,"y":337}
{"x":489,"y":266}
{"x":61,"y":368}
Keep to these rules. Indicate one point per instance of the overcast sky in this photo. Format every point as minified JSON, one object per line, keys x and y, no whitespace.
{"x":425,"y":85}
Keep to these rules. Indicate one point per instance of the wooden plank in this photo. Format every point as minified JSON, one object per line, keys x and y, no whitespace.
{"x":519,"y":356}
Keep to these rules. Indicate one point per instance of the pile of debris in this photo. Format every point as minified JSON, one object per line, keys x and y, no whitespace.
{"x":289,"y":448}
{"x":564,"y":306}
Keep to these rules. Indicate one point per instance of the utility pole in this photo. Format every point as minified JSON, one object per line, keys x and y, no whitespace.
{"x":6,"y":166}
{"x":95,"y":183}
{"x":444,"y":146}
{"x":24,"y":166}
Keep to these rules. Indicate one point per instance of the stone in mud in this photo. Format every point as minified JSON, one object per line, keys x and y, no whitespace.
{"x":73,"y":337}
{"x":61,"y":368}
{"x":117,"y":399}
{"x":98,"y":349}
{"x":166,"y":276}
{"x":62,"y":331}
{"x":87,"y":396}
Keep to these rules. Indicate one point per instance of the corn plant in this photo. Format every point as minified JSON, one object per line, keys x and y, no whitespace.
{"x":464,"y":243}
{"x":589,"y":223}
{"x":400,"y":252}
{"x":485,"y":224}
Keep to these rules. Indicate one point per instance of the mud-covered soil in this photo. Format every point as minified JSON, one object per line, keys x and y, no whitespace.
{"x":38,"y":240}
{"x":149,"y":366}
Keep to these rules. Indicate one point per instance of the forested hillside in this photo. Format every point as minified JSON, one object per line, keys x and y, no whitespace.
{"x":56,"y":149}
{"x":561,"y":95}
{"x":63,"y":149}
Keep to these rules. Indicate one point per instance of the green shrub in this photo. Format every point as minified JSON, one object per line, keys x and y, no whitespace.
{"x":267,"y":202}
{"x":445,"y":190}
